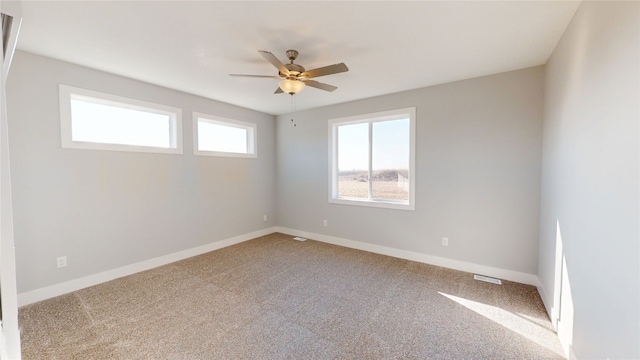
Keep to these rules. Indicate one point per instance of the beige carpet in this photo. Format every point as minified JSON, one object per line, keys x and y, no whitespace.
{"x":276,"y":298}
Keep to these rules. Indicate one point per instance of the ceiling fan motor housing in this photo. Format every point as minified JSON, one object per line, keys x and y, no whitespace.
{"x":295,"y":69}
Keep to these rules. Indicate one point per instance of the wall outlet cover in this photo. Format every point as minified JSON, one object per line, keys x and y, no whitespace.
{"x":61,"y":262}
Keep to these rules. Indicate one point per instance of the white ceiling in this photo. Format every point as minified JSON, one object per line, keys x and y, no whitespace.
{"x":389,"y":46}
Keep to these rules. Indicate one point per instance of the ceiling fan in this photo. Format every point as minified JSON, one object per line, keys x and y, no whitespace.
{"x":294,"y":77}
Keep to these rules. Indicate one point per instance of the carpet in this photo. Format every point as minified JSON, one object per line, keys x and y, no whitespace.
{"x":277,"y":298}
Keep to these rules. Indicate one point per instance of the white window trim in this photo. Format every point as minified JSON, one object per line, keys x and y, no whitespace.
{"x":69,"y":92}
{"x":252,"y":136}
{"x":333,"y":158}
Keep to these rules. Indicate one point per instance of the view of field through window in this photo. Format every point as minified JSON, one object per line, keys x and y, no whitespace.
{"x":388,"y":170}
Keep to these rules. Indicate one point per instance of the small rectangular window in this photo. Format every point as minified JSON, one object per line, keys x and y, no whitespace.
{"x":93,"y":120}
{"x":216,"y":136}
{"x":372,"y":159}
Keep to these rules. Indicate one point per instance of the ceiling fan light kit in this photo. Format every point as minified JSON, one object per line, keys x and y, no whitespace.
{"x":291,"y":86}
{"x":294,"y":77}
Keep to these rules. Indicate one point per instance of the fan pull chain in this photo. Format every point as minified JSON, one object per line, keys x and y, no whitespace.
{"x":293,"y":108}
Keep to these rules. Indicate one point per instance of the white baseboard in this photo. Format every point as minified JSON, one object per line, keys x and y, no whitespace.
{"x":553,"y":315}
{"x":548,"y":305}
{"x":48,"y":292}
{"x":509,"y":275}
{"x":3,"y":347}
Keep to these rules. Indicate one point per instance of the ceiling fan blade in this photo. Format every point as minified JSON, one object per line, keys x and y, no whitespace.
{"x":327,"y":70}
{"x":274,"y":60}
{"x":319,"y":85}
{"x":257,"y":76}
{"x":278,"y":91}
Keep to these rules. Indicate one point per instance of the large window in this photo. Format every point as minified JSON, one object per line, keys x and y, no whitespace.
{"x":93,"y":120}
{"x":372,"y":159}
{"x":216,"y":136}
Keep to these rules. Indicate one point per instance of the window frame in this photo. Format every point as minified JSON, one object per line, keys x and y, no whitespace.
{"x":68,"y":93}
{"x":371,"y":118}
{"x":252,"y":135}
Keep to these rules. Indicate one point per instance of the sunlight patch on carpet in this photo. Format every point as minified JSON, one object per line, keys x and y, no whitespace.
{"x":513,"y":322}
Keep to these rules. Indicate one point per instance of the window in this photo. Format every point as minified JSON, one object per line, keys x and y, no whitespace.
{"x":372,"y":159}
{"x":93,"y":120}
{"x":216,"y":136}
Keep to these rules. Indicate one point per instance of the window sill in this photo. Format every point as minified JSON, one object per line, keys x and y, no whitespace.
{"x":373,"y":203}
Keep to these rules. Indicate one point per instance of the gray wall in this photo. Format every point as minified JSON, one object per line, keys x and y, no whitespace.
{"x":590,"y":182}
{"x":478,"y":172}
{"x":107,"y":209}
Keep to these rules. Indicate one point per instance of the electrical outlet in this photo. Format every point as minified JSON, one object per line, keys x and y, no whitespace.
{"x":325,"y":223}
{"x":264,"y":218}
{"x":61,"y":262}
{"x":445,"y":241}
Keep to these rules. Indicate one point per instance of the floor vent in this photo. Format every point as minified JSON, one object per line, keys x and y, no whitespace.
{"x":299,"y":238}
{"x":487,"y":279}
